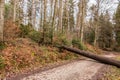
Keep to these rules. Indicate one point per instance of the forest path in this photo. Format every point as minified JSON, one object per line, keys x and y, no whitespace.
{"x":78,"y":70}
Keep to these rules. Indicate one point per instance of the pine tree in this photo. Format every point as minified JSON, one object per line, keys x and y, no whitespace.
{"x":117,"y":24}
{"x":105,"y":32}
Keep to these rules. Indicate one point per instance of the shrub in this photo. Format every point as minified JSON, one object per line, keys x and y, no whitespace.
{"x":25,"y":30}
{"x":35,"y":36}
{"x":78,"y":44}
{"x":61,"y":40}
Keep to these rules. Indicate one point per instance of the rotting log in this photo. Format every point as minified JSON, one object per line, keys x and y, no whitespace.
{"x":98,"y":58}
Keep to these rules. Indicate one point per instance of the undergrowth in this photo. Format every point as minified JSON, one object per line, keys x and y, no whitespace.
{"x":22,"y":54}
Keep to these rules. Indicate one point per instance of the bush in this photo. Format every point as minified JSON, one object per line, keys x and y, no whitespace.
{"x":35,"y":36}
{"x":25,"y":30}
{"x":78,"y":44}
{"x":61,"y":40}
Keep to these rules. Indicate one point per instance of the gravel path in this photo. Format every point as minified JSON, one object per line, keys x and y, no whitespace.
{"x":79,"y":70}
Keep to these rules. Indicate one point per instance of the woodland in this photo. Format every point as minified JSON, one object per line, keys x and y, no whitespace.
{"x":30,"y":30}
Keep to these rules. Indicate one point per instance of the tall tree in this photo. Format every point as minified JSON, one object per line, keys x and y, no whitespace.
{"x":81,"y":18}
{"x":100,"y":7}
{"x":44,"y":21}
{"x":60,"y":15}
{"x":1,"y":19}
{"x":96,"y":19}
{"x":106,"y":31}
{"x":14,"y":9}
{"x":34,"y":3}
{"x":71,"y":14}
{"x":65,"y":18}
{"x":117,"y":24}
{"x":29,"y":12}
{"x":53,"y":20}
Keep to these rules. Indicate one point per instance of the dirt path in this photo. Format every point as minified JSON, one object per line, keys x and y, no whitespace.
{"x":76,"y":70}
{"x":79,"y":70}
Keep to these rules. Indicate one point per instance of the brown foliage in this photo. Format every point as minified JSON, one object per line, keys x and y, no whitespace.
{"x":20,"y":53}
{"x":11,"y":31}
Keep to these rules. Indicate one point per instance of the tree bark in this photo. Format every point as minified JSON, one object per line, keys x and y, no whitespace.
{"x":60,"y":15}
{"x":53,"y":21}
{"x":98,"y":58}
{"x":1,"y":19}
{"x":96,"y":15}
{"x":33,"y":13}
{"x":14,"y":10}
{"x":44,"y":21}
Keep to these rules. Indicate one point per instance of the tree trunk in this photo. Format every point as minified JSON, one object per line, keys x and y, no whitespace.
{"x":44,"y":21}
{"x":82,"y":21}
{"x":60,"y":15}
{"x":14,"y":10}
{"x":1,"y":19}
{"x":33,"y":13}
{"x":41,"y":15}
{"x":53,"y":21}
{"x":101,"y":59}
{"x":97,"y":23}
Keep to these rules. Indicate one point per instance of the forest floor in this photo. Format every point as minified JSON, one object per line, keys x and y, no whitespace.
{"x":23,"y":57}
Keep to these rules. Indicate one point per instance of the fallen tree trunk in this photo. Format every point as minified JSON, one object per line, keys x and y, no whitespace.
{"x":101,"y":59}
